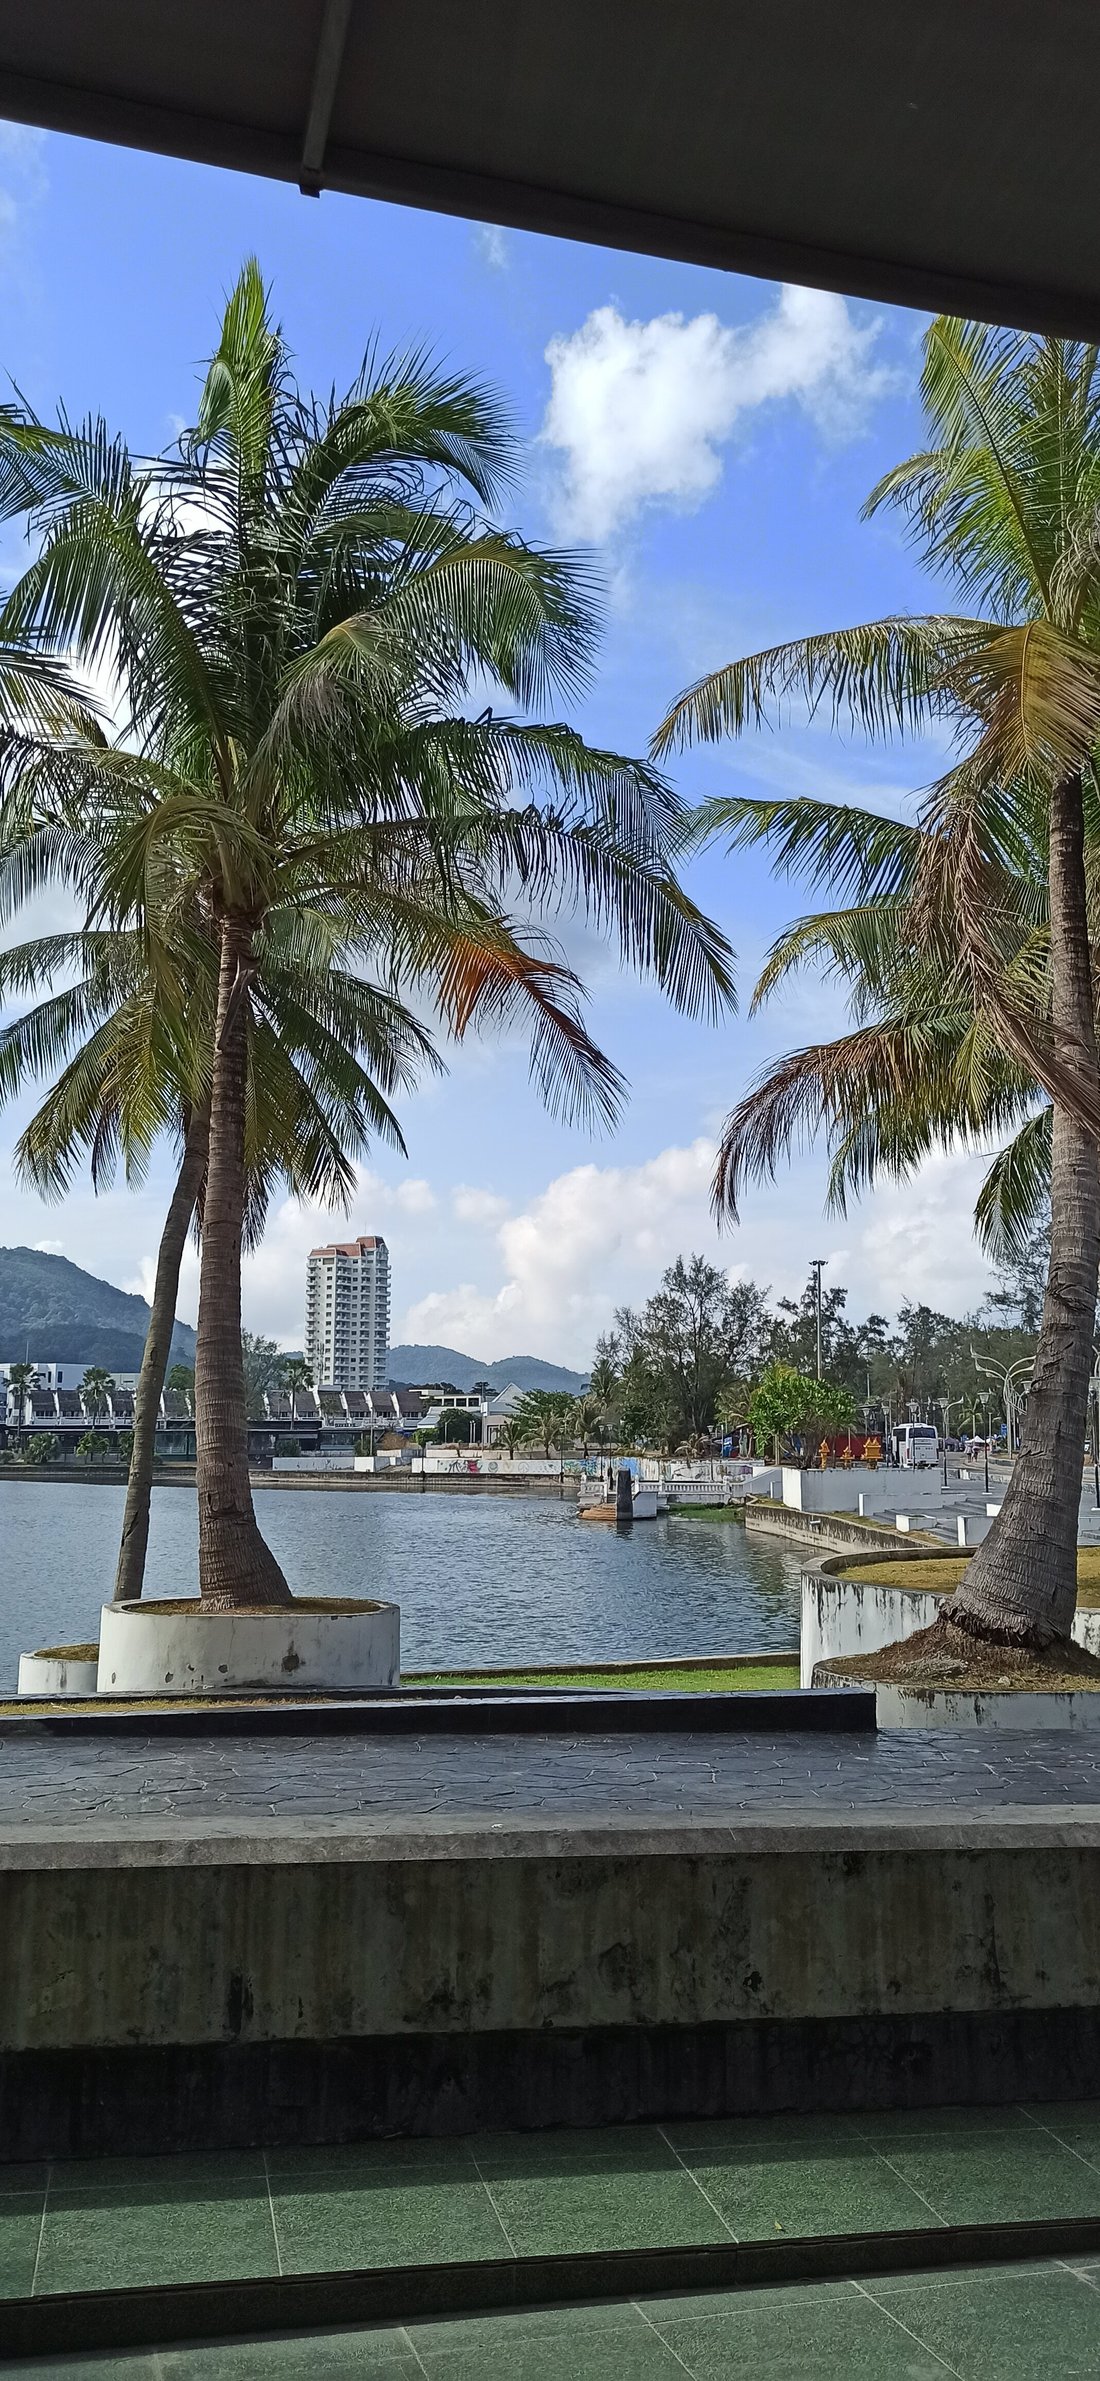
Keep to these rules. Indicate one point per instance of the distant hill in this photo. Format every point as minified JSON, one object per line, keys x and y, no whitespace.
{"x":53,"y":1312}
{"x":410,"y":1365}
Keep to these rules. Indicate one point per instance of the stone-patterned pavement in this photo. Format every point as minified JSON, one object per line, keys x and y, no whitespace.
{"x":51,"y":1780}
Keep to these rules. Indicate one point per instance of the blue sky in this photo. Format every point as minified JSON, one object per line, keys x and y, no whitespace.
{"x":713,"y":438}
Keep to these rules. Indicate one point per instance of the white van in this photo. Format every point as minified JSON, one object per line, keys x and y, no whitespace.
{"x":916,"y":1446}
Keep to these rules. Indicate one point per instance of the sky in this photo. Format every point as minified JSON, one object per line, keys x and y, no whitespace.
{"x":710,"y":439}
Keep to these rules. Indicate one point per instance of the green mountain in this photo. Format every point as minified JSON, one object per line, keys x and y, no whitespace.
{"x":409,"y":1366}
{"x":54,"y":1313}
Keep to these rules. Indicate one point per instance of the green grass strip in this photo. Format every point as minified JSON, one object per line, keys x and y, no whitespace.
{"x":691,"y":1682}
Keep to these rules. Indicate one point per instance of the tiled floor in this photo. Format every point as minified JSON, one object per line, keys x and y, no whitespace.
{"x":1008,"y":2323}
{"x":118,"y":2223}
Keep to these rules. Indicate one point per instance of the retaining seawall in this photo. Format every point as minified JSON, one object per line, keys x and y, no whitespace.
{"x":200,"y":1983}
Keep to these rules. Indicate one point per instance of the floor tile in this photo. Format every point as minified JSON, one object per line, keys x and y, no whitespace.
{"x":350,"y":2159}
{"x":730,"y":2132}
{"x":374,"y":2354}
{"x":880,"y":2125}
{"x":643,"y":2153}
{"x":147,"y":2176}
{"x":20,"y":2226}
{"x":604,"y":2208}
{"x":810,"y":2191}
{"x":111,"y":2241}
{"x":806,"y":2335}
{"x":23,"y":2178}
{"x":1077,"y":2128}
{"x":624,"y":2145}
{"x":622,"y":2347}
{"x":446,"y":2335}
{"x":392,"y":2219}
{"x":999,"y":2180}
{"x":137,"y":2366}
{"x":1008,"y":2326}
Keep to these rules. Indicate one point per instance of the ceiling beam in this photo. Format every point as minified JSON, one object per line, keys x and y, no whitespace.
{"x":326,"y":77}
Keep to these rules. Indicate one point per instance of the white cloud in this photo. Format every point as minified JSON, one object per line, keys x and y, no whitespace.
{"x":916,"y":1239}
{"x":595,"y":1237}
{"x":477,"y":1206}
{"x":491,"y":243}
{"x":599,"y":1237}
{"x":414,"y":1198}
{"x":50,"y":1248}
{"x":640,"y":410}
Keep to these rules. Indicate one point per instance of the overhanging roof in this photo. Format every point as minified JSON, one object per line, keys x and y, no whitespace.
{"x":939,"y":153}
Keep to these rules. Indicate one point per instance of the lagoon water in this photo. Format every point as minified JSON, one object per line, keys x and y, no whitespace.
{"x":479,"y":1579}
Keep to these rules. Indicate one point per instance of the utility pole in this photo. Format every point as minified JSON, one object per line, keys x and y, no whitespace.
{"x":816,"y":1266}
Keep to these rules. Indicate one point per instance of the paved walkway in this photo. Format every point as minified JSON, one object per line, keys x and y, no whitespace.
{"x":52,"y":1780}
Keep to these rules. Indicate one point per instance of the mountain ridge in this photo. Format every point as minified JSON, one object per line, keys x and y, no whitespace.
{"x":410,"y":1364}
{"x":54,"y":1312}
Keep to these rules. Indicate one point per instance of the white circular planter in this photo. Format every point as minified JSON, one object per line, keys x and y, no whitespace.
{"x":985,"y":1708}
{"x":843,"y":1616}
{"x":175,"y":1648}
{"x":54,"y":1671}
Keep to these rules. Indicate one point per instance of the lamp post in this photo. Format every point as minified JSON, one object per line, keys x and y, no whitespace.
{"x":817,"y":1265}
{"x":1011,"y":1377}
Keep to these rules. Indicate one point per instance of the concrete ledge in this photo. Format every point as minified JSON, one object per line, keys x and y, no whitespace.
{"x":70,"y":2322}
{"x":142,"y":2102}
{"x":476,"y":1711}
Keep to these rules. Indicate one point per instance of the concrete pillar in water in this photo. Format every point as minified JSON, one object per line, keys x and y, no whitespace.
{"x":624,"y":1497}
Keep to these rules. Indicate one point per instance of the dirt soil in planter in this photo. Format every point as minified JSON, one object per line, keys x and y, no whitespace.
{"x":175,"y":1604}
{"x":942,"y":1656}
{"x":940,"y":1573}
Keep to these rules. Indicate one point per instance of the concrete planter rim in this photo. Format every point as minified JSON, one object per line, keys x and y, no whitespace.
{"x":318,"y":1607}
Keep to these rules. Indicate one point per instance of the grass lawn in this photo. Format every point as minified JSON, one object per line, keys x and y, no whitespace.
{"x":943,"y":1573}
{"x":689,"y":1682}
{"x":707,"y":1512}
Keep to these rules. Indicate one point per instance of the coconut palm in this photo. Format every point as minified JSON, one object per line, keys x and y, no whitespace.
{"x":129,"y":1065}
{"x":300,"y":608}
{"x":96,"y":1391}
{"x":22,"y":1378}
{"x":1006,"y":501}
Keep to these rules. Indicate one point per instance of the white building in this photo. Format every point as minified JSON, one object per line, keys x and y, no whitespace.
{"x":347,"y":1342}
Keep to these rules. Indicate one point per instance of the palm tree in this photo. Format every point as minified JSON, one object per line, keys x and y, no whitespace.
{"x":1005,"y":499}
{"x":96,"y":1391}
{"x":301,"y":606}
{"x":22,"y":1378}
{"x":132,"y":1062}
{"x":297,"y":1375}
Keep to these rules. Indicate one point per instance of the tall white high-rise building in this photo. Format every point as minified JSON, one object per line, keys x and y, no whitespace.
{"x":348,"y":1313}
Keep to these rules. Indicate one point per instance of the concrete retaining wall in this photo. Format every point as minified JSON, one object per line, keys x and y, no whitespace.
{"x":193,"y":1945}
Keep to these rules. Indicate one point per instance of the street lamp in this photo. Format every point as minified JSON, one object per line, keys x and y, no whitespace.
{"x":1010,"y":1377}
{"x":817,"y":1265}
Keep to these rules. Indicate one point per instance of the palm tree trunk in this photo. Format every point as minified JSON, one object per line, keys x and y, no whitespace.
{"x":130,"y":1576}
{"x":236,"y":1568}
{"x":1021,"y":1587}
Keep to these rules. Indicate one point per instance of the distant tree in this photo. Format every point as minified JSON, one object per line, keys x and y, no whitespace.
{"x":699,"y":1332}
{"x":512,"y":1432}
{"x":93,"y":1446}
{"x":587,"y":1421}
{"x":296,"y":1375}
{"x":96,"y":1390}
{"x":123,"y":1447}
{"x":43,"y":1446}
{"x":22,"y":1379}
{"x":603,"y":1380}
{"x":264,"y":1371}
{"x":545,"y":1418}
{"x":181,"y":1379}
{"x":786,"y":1402}
{"x":294,"y":1447}
{"x":456,"y":1427}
